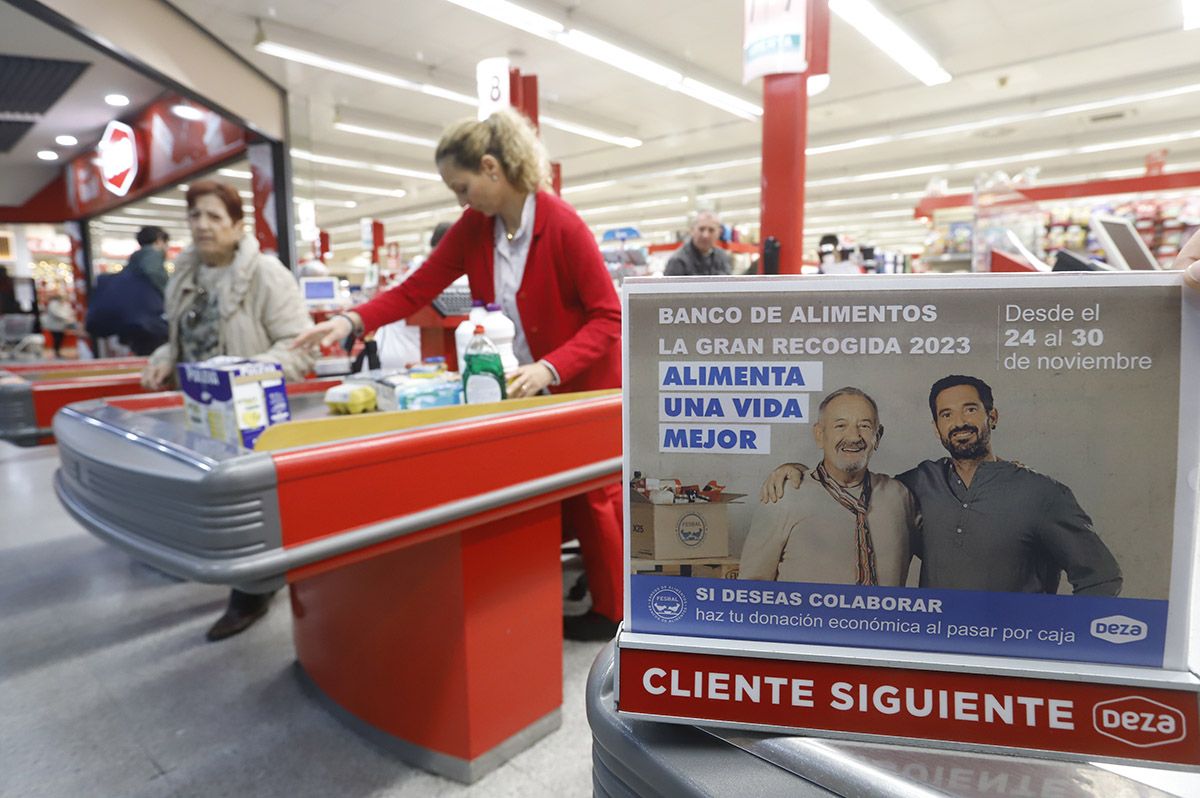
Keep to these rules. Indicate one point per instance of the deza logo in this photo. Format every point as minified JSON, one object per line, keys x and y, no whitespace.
{"x":1119,"y":629}
{"x":1139,"y":722}
{"x":691,"y":529}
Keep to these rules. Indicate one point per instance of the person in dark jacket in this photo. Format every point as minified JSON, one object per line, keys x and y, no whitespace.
{"x":700,"y":255}
{"x":148,"y":261}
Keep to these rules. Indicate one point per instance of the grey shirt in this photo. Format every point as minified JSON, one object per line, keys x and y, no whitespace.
{"x":687,"y":260}
{"x":1013,"y":530}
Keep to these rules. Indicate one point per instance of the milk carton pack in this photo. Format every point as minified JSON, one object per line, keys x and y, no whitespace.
{"x":233,"y":399}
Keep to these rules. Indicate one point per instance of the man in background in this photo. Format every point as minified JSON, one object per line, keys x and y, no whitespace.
{"x":129,"y":304}
{"x":143,"y":335}
{"x":700,"y":254}
{"x":150,"y":259}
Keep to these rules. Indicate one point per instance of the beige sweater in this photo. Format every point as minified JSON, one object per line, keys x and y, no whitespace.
{"x":261,"y":310}
{"x":808,"y":537}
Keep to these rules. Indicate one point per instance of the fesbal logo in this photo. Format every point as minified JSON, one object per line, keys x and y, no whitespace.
{"x":1119,"y":629}
{"x":1139,"y":722}
{"x":691,"y":529}
{"x":667,"y":604}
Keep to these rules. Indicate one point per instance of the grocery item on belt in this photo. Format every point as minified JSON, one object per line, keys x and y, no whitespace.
{"x":351,"y":397}
{"x":233,"y":399}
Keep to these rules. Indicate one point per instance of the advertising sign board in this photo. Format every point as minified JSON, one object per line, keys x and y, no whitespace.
{"x":1030,"y":511}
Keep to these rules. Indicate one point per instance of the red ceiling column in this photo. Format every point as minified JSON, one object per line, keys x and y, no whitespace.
{"x":785,"y":133}
{"x":523,"y":95}
{"x":784,"y":138}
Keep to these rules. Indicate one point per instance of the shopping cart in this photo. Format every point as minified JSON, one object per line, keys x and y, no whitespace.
{"x":18,"y":341}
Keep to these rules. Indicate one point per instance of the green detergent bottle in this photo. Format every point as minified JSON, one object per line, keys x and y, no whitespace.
{"x":483,"y":372}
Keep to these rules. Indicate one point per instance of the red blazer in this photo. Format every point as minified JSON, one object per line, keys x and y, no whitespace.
{"x":568,"y":306}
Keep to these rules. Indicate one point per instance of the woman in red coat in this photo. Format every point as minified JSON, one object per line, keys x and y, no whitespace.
{"x":526,"y":249}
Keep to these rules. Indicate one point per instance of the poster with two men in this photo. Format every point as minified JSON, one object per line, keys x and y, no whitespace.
{"x":959,"y":464}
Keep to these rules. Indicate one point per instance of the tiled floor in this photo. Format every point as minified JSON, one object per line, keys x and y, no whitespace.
{"x":107,"y":687}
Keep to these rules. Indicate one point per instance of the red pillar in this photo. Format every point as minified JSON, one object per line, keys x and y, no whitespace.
{"x":523,"y":94}
{"x":785,"y":135}
{"x":376,"y":240}
{"x":323,"y":247}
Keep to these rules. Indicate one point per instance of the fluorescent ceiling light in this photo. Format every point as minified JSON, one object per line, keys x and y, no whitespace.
{"x":1145,"y":141}
{"x":47,"y":155}
{"x":654,"y":203}
{"x":327,"y":203}
{"x":116,"y":100}
{"x":737,"y":192}
{"x":617,"y":56}
{"x":176,"y":222}
{"x":588,"y":186}
{"x":514,"y":15}
{"x":589,"y":132}
{"x":1007,"y":119}
{"x":157,"y":214}
{"x":238,"y":173}
{"x":188,"y":112}
{"x":66,"y":141}
{"x":891,"y":39}
{"x":246,"y":194}
{"x":395,"y":193}
{"x":349,"y":163}
{"x":1191,"y":14}
{"x":611,"y":54}
{"x":379,"y":133}
{"x":309,"y":58}
{"x":167,"y":201}
{"x":719,"y":99}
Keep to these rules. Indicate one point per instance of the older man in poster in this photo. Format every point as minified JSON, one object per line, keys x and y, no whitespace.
{"x":844,"y":524}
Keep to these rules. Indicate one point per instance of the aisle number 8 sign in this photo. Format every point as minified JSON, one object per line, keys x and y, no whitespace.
{"x":491,"y":86}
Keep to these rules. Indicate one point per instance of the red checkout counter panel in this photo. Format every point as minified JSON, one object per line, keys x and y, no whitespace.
{"x":421,"y":548}
{"x":31,"y":393}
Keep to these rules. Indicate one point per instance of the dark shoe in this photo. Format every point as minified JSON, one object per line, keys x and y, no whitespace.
{"x":243,"y":610}
{"x":589,"y":626}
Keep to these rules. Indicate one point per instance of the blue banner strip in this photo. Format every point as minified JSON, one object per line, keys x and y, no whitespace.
{"x":1115,"y":631}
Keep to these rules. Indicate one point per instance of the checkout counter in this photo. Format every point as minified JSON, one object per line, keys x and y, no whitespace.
{"x":31,"y":393}
{"x":421,"y":548}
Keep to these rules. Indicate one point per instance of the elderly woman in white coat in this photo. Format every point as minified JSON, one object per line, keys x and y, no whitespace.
{"x":228,"y":298}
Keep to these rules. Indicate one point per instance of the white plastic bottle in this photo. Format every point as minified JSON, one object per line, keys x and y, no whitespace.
{"x":483,"y":376}
{"x":501,"y":330}
{"x":464,"y":331}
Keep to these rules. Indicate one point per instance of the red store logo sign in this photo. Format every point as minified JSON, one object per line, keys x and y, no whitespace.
{"x":1139,"y":722}
{"x":118,"y":159}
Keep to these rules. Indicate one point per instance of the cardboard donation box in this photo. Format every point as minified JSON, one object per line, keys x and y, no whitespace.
{"x":670,"y":520}
{"x":233,"y":399}
{"x":1012,"y":568}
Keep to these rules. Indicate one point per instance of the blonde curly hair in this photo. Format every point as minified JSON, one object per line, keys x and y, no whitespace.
{"x":508,"y":137}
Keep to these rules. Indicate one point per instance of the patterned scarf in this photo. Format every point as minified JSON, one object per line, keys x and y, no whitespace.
{"x":862,"y":529}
